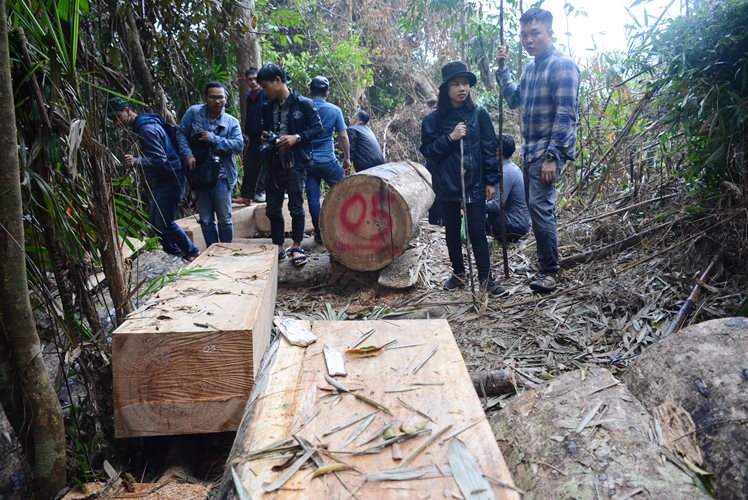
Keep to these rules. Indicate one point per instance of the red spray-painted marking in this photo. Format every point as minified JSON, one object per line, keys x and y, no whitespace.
{"x":376,"y":242}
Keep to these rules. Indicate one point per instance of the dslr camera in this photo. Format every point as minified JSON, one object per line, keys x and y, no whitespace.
{"x":271,"y":139}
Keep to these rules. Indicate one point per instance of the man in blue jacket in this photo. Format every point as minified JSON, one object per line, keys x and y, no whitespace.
{"x":208,"y":127}
{"x":253,"y":184}
{"x":164,"y":173}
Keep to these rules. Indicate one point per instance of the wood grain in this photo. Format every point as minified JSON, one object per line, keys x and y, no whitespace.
{"x":242,"y":217}
{"x":262,"y":223}
{"x":294,"y":403}
{"x":185,"y":362}
{"x":368,"y":218}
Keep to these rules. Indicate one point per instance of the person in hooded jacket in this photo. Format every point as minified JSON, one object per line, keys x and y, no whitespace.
{"x":458,"y":120}
{"x":164,"y":172}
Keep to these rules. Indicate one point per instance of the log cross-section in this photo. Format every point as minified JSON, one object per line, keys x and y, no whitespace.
{"x":368,"y":218}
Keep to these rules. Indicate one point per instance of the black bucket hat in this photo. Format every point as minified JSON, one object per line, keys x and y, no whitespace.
{"x":455,"y":69}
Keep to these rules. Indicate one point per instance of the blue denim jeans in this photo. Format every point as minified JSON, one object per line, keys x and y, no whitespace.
{"x":493,"y":227}
{"x":476,"y":220}
{"x":214,"y":206}
{"x":165,"y":196}
{"x":541,"y":202}
{"x":331,"y":173}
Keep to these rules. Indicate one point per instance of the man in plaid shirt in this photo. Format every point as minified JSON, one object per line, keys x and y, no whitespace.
{"x":548,"y":93}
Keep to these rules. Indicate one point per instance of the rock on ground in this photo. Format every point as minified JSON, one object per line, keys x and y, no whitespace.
{"x":704,"y":369}
{"x":612,"y":455}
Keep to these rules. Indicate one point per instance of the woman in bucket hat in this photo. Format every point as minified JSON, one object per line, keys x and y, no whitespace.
{"x":458,"y":119}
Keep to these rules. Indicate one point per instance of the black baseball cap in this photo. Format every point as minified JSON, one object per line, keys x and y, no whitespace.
{"x":320,"y":83}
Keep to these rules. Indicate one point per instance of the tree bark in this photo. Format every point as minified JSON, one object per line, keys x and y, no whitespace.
{"x":38,"y":423}
{"x":368,"y":219}
{"x":247,"y":48}
{"x":152,"y":92}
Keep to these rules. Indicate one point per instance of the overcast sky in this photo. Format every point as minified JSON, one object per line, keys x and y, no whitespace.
{"x":605,"y":21}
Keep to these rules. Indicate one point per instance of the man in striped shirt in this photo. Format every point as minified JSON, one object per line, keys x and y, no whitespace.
{"x":548,"y":94}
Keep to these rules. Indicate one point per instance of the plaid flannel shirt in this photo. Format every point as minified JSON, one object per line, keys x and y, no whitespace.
{"x":548,"y":93}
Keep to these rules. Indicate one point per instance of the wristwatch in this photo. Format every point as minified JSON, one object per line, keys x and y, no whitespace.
{"x":298,"y":138}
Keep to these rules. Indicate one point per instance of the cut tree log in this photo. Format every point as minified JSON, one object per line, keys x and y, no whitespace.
{"x":243,"y":218}
{"x":185,"y":362}
{"x":703,"y":369}
{"x":368,"y":218}
{"x":262,"y":223}
{"x":402,"y":272}
{"x":295,"y":407}
{"x":586,"y":437}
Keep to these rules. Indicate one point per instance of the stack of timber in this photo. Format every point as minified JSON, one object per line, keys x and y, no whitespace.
{"x":184,"y":363}
{"x":242,"y":216}
{"x":368,"y":218}
{"x":262,"y":223}
{"x":404,"y":422}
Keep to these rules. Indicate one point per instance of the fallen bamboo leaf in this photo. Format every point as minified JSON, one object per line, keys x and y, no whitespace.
{"x":280,"y":445}
{"x":368,"y":351}
{"x":407,"y":474}
{"x":423,"y":446}
{"x":343,"y":388}
{"x":241,"y":491}
{"x":384,"y":444}
{"x":587,"y":418}
{"x":363,"y":337}
{"x":420,"y":365}
{"x":374,"y":435}
{"x":413,"y":425}
{"x":267,"y":488}
{"x":347,"y":424}
{"x":467,"y":472}
{"x":504,"y":484}
{"x":361,"y":428}
{"x":330,"y":468}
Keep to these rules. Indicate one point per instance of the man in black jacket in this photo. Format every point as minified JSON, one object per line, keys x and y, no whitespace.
{"x":253,"y":183}
{"x":290,"y":124}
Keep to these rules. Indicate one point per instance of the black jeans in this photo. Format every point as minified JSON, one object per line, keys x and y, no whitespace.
{"x":276,"y":188}
{"x":476,"y":220}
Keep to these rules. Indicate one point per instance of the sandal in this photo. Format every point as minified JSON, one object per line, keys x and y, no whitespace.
{"x":298,"y":260}
{"x":281,"y":254}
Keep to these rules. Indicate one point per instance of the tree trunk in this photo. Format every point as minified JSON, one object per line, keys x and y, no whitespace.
{"x":152,"y":92}
{"x":368,"y":219}
{"x":38,"y":423}
{"x":247,"y":48}
{"x":109,"y":247}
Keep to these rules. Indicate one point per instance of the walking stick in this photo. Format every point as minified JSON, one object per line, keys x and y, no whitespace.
{"x":464,"y":216}
{"x":502,"y":207}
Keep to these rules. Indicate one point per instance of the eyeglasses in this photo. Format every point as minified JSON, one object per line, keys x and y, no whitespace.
{"x":217,"y":97}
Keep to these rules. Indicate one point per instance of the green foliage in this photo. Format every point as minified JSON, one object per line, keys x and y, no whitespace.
{"x":194,"y":272}
{"x":704,"y":87}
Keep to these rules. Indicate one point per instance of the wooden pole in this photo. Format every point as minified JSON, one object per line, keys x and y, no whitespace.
{"x":502,"y":205}
{"x":685,"y":309}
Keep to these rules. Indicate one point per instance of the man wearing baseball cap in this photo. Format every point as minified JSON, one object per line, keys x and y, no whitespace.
{"x":325,"y":165}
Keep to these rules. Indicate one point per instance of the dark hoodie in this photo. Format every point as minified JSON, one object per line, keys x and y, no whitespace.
{"x":158,"y":156}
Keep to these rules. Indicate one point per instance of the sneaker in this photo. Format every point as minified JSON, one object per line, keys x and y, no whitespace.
{"x":260,"y":197}
{"x":454,"y":282}
{"x":545,"y":283}
{"x":493,"y":289}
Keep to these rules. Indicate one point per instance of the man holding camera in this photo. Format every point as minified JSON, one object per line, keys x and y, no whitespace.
{"x":207,"y":132}
{"x":290,"y":123}
{"x":163,"y":171}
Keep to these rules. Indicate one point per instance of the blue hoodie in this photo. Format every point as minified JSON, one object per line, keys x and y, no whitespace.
{"x":159,"y":156}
